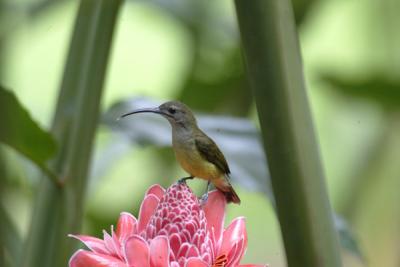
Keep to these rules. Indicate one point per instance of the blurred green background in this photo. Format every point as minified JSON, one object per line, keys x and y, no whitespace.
{"x":189,"y":50}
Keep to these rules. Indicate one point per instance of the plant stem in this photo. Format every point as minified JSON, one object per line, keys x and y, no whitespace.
{"x":58,"y":210}
{"x":275,"y":72}
{"x":10,"y":240}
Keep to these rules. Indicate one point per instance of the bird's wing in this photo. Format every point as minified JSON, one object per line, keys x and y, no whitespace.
{"x":210,"y":152}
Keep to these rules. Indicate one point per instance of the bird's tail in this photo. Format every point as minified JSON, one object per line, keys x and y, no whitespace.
{"x":223,"y":185}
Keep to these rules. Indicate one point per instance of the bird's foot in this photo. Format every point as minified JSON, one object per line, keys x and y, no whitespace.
{"x":203,"y":199}
{"x":183,"y":180}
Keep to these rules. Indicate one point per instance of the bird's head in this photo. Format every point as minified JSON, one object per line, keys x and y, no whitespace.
{"x":177,"y":113}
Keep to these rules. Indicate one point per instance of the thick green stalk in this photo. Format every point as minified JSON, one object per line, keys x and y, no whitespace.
{"x":58,"y":210}
{"x":10,"y":239}
{"x":275,"y":72}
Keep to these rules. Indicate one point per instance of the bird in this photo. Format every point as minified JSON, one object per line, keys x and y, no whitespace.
{"x":196,"y":152}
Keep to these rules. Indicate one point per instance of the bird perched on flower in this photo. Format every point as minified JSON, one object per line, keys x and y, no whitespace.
{"x":195,"y":151}
{"x":173,"y":230}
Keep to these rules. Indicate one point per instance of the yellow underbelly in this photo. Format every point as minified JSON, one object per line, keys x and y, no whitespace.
{"x":192,"y":162}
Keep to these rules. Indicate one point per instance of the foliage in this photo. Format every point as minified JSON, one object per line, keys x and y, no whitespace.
{"x":276,"y":76}
{"x":81,"y":91}
{"x":377,"y":88}
{"x":10,"y":240}
{"x":23,"y":134}
{"x":364,"y":101}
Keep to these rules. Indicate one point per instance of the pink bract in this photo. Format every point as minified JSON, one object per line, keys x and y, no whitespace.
{"x":173,"y":230}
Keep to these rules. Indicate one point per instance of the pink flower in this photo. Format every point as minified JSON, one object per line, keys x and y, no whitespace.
{"x":173,"y":230}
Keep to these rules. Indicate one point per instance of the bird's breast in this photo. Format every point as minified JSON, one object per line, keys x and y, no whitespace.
{"x":191,"y":160}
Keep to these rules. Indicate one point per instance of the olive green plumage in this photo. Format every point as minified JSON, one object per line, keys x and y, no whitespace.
{"x":197,"y":153}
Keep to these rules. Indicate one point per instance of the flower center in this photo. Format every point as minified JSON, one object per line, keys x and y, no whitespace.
{"x":221,"y":261}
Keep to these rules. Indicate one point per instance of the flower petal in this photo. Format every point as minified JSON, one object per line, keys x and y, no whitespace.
{"x":112,"y":244}
{"x":183,"y":249}
{"x":195,"y":262}
{"x":156,"y":190}
{"x":233,"y":234}
{"x":126,"y":227}
{"x":147,"y":209}
{"x":214,"y":210}
{"x":175,"y":242}
{"x":236,"y":253}
{"x":94,"y":244}
{"x":253,"y":265}
{"x":192,"y":252}
{"x":159,"y":252}
{"x":83,"y":258}
{"x":137,"y":252}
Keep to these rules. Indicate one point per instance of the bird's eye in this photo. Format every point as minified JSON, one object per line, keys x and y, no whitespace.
{"x":171,"y":110}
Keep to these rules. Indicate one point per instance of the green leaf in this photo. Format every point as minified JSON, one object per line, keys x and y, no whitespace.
{"x":21,"y":132}
{"x":375,"y":88}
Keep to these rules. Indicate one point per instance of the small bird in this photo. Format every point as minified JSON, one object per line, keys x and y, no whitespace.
{"x":195,"y":151}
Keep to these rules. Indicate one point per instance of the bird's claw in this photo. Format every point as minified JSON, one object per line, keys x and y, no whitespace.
{"x":203,"y":199}
{"x":183,"y":180}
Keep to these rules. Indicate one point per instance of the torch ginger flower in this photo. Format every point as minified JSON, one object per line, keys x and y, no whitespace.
{"x":173,"y":230}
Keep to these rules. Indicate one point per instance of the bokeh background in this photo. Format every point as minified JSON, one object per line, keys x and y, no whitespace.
{"x":190,"y":50}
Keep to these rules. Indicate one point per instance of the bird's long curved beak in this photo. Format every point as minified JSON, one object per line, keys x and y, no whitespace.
{"x":143,"y":110}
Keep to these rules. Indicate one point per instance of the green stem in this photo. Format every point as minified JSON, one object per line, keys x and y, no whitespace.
{"x":275,"y":72}
{"x":49,"y":174}
{"x":58,"y":210}
{"x":10,"y":240}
